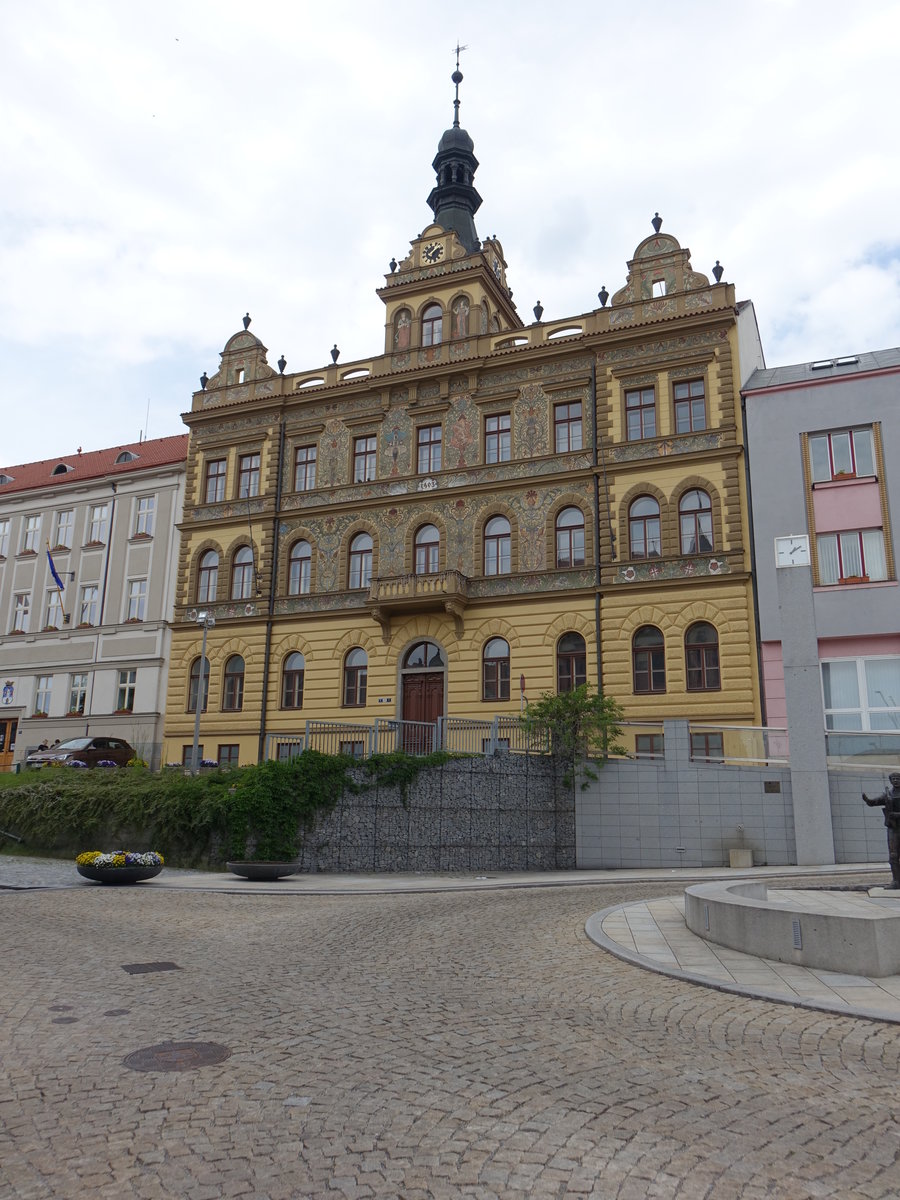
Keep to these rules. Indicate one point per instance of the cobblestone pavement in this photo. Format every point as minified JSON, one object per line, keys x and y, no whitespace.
{"x":433,"y":1045}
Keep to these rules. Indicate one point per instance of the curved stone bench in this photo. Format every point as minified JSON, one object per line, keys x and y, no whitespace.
{"x":743,"y":917}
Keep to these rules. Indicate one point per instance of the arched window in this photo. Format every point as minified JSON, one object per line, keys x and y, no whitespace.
{"x":648,"y":660}
{"x":497,"y":546}
{"x":495,"y":672}
{"x":194,"y":685}
{"x":424,"y":654}
{"x":695,"y":520}
{"x":571,"y":662}
{"x":701,"y":652}
{"x":432,"y":325}
{"x":428,"y":550}
{"x":360,"y":575}
{"x":570,"y":538}
{"x":242,"y":574}
{"x":643,"y":528}
{"x":208,"y":578}
{"x":292,"y":680}
{"x":356,"y":670}
{"x":233,"y":692}
{"x":300,"y":566}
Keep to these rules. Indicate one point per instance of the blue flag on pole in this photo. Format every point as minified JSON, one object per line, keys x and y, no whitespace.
{"x":56,"y":579}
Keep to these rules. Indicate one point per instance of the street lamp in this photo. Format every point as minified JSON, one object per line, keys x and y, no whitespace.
{"x":207,"y":620}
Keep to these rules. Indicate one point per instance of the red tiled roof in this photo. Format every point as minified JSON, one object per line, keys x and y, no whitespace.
{"x":93,"y":464}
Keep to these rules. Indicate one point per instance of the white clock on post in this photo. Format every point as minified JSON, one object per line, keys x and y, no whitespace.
{"x":792,"y":550}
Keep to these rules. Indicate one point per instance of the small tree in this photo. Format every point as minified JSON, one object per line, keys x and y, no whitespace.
{"x":578,"y":725}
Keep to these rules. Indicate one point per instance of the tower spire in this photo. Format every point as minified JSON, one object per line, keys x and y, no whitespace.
{"x":457,"y":78}
{"x":454,"y":200}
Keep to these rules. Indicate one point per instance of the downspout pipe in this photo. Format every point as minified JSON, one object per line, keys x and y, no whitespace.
{"x":273,"y":576}
{"x":753,"y":579}
{"x":594,"y":463}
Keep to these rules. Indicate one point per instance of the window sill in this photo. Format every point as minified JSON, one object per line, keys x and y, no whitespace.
{"x":869,"y":583}
{"x":840,"y":481}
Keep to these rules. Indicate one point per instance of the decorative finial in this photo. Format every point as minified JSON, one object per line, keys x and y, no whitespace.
{"x":335,"y":353}
{"x":457,"y":79}
{"x":204,"y":380}
{"x":603,"y":296}
{"x":657,"y":222}
{"x":393,"y":265}
{"x":282,"y":363}
{"x":718,"y":271}
{"x":246,"y":320}
{"x":538,"y":311}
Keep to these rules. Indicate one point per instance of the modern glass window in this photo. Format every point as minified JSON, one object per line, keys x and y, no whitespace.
{"x":643,"y":528}
{"x":304,"y":468}
{"x":855,"y":556}
{"x":571,"y":662}
{"x":31,"y":535}
{"x":233,"y":689}
{"x":78,"y":686}
{"x":248,"y":476}
{"x":43,"y":690}
{"x":428,"y":550}
{"x":194,"y":685}
{"x":356,"y":670}
{"x":495,"y":670}
{"x":570,"y":538}
{"x":360,"y":573}
{"x":229,"y":754}
{"x":125,"y":691}
{"x":53,"y":614}
{"x":640,"y":414}
{"x":497,"y":547}
{"x":568,"y":433}
{"x":242,"y":574}
{"x":137,"y":599}
{"x":690,"y":406}
{"x":695,"y":522}
{"x":21,"y":611}
{"x":497,"y":438}
{"x":215,"y":480}
{"x":4,"y":537}
{"x":87,"y":609}
{"x":300,"y":568}
{"x":208,"y":578}
{"x":648,"y":660}
{"x":701,"y":650}
{"x":144,"y":516}
{"x":65,"y":525}
{"x":292,"y":680}
{"x":707,"y":747}
{"x":432,"y":325}
{"x":364,"y":453}
{"x":98,"y":523}
{"x":862,"y":693}
{"x":843,"y":454}
{"x":428,"y":443}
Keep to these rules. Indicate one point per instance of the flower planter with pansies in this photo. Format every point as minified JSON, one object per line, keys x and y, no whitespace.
{"x":119,"y":866}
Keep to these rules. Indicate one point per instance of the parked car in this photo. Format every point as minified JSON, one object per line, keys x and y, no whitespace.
{"x":86,"y":750}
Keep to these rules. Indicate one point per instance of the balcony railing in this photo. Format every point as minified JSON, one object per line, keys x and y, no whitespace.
{"x":444,"y":590}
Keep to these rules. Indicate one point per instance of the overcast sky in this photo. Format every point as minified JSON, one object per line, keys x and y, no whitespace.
{"x":170,"y":166}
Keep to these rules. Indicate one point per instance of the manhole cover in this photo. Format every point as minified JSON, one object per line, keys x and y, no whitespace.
{"x":64,"y":1020}
{"x":61,"y":1007}
{"x":176,"y":1056}
{"x":145,"y":968}
{"x":116,"y":1012}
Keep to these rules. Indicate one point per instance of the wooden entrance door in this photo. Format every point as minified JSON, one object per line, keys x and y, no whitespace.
{"x":423,"y":700}
{"x":8,"y":728}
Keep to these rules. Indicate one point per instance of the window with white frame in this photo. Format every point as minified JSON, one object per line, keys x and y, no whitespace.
{"x":53,"y":615}
{"x":144,"y":516}
{"x":78,"y":685}
{"x":65,"y":523}
{"x":21,"y":611}
{"x":854,"y":556}
{"x":861,"y":693}
{"x":137,"y":599}
{"x":31,"y":535}
{"x":125,"y":691}
{"x":43,"y":689}
{"x":98,"y":526}
{"x":4,"y":537}
{"x":87,"y":610}
{"x":842,"y":454}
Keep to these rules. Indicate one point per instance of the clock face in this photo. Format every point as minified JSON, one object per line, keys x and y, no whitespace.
{"x":792,"y":551}
{"x":433,"y":252}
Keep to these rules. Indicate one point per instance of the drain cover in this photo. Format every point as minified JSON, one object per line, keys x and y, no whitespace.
{"x":176,"y":1056}
{"x":145,"y":968}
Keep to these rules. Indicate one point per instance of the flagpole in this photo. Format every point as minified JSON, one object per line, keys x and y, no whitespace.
{"x":56,"y":580}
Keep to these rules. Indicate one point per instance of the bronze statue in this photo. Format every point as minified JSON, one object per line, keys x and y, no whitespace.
{"x":889,"y":800}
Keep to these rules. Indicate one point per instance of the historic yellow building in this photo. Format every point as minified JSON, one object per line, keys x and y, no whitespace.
{"x":470,"y":515}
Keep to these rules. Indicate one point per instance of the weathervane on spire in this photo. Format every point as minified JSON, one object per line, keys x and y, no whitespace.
{"x":457,"y":79}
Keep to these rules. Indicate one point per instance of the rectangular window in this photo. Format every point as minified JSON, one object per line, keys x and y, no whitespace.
{"x":137,"y":599}
{"x":53,"y":614}
{"x":31,"y":537}
{"x":4,"y":537}
{"x":125,"y":691}
{"x":851,"y":557}
{"x":844,"y":454}
{"x":861,"y":693}
{"x":649,"y":745}
{"x":497,"y":438}
{"x":78,"y":685}
{"x":567,"y":427}
{"x":228,"y":754}
{"x":65,"y":523}
{"x":146,"y":510}
{"x":43,"y":689}
{"x":98,"y":525}
{"x":305,"y":469}
{"x":215,"y":480}
{"x":707,"y":747}
{"x":187,"y":755}
{"x":640,"y":414}
{"x":21,"y":611}
{"x":248,"y":476}
{"x":428,"y":441}
{"x":87,"y":612}
{"x":690,"y":406}
{"x":354,"y":749}
{"x":364,"y":459}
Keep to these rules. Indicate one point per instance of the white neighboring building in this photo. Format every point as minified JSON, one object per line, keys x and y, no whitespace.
{"x":92,"y":658}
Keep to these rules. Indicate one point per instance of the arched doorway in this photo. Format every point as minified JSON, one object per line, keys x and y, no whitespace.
{"x":422,"y":691}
